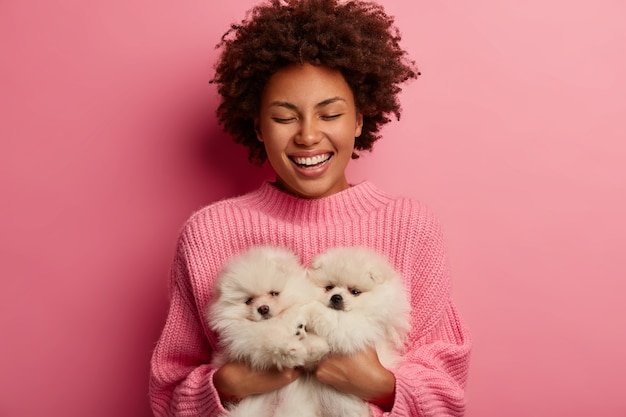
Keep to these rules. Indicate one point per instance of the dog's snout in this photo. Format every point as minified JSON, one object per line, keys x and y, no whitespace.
{"x":264,"y":310}
{"x":336,"y":302}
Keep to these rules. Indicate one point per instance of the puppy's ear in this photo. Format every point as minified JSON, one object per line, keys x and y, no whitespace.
{"x":316,"y":264}
{"x":378,"y":274}
{"x":282,"y":268}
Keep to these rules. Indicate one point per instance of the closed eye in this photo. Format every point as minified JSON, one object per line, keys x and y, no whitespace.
{"x":331,"y":117}
{"x":283,"y":120}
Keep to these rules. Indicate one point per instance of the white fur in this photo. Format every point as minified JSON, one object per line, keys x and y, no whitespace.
{"x":301,"y":325}
{"x":266,"y":279}
{"x":378,"y":316}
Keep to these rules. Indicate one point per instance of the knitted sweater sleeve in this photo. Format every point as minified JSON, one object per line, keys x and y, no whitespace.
{"x":181,"y":379}
{"x":431,"y":381}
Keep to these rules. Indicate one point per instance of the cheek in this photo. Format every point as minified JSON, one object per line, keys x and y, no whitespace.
{"x":272,"y":147}
{"x":275,"y":141}
{"x":277,"y":159}
{"x":344,"y":138}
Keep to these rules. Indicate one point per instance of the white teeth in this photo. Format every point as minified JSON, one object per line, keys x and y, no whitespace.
{"x":314,"y":160}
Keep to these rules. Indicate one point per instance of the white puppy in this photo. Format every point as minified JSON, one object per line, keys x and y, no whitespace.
{"x":257,"y":314}
{"x":362,"y":303}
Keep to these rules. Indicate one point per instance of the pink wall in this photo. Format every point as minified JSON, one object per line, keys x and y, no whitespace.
{"x":515,"y":135}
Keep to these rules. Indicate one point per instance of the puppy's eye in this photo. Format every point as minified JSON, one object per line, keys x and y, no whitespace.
{"x":274,"y":293}
{"x":249,"y":301}
{"x":355,"y":292}
{"x":329,"y":287}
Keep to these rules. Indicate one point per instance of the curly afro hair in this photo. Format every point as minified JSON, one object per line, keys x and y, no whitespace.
{"x":354,"y":37}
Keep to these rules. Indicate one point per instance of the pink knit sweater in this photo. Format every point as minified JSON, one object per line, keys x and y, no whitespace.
{"x":433,"y":381}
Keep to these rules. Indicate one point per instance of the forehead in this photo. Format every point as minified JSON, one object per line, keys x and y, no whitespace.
{"x":344,"y":277}
{"x":306,"y":84}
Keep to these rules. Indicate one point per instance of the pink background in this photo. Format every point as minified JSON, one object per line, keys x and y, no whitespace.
{"x":515,"y":135}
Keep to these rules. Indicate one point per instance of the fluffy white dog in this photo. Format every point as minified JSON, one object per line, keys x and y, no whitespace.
{"x":257,"y":313}
{"x":362,"y":302}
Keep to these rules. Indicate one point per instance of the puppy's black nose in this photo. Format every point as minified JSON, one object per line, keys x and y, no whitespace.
{"x":336,"y":302}
{"x":263,"y":310}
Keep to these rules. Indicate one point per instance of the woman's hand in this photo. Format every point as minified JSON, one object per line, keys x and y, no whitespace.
{"x":362,"y":375}
{"x":235,"y":380}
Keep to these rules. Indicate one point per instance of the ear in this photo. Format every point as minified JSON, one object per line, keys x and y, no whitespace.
{"x":257,"y":129}
{"x":359,"y":125}
{"x":379,"y":273}
{"x":375,"y":277}
{"x":316,"y":263}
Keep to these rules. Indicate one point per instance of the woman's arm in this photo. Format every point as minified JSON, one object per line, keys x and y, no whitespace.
{"x":432,"y":378}
{"x":180,"y":374}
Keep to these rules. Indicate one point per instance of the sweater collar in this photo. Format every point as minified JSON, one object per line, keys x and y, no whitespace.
{"x":340,"y":207}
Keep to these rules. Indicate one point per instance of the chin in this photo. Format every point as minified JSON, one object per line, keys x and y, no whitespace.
{"x":361,"y":302}
{"x":311,"y":187}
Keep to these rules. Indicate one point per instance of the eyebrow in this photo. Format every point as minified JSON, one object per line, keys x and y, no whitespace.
{"x":292,"y":106}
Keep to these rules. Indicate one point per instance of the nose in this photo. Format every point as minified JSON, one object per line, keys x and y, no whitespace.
{"x":309,"y":133}
{"x":264,"y":310}
{"x":336,"y":302}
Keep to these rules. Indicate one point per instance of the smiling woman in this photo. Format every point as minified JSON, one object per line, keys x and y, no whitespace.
{"x":308,"y":123}
{"x":306,"y":85}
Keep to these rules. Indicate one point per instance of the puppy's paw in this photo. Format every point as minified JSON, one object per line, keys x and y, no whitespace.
{"x":310,"y":347}
{"x":300,"y":331}
{"x":291,"y":351}
{"x":316,"y":348}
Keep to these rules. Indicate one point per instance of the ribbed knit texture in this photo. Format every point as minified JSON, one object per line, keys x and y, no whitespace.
{"x":432,"y":381}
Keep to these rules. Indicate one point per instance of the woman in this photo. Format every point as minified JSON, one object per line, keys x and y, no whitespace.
{"x":306,"y":85}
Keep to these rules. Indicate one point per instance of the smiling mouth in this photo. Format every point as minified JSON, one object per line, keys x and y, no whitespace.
{"x":311,"y":161}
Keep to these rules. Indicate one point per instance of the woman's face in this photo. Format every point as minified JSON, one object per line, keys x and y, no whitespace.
{"x":308,"y":122}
